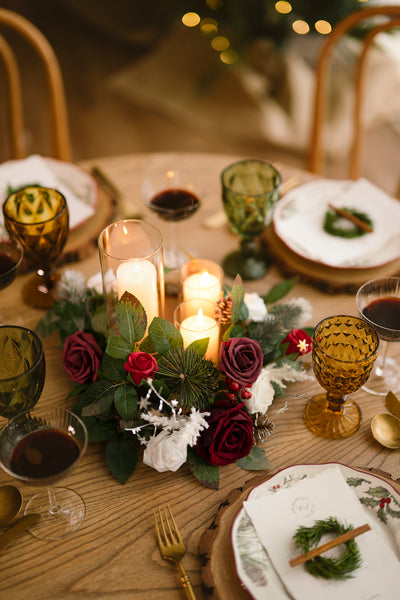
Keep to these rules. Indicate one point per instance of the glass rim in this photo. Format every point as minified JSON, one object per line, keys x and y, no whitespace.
{"x":63,"y":209}
{"x":13,"y":241}
{"x":119,"y":223}
{"x":264,"y":163}
{"x":38,"y":359}
{"x":372,"y":282}
{"x":355,"y":318}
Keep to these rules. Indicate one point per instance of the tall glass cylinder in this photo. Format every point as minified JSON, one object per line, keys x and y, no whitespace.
{"x":131,"y":260}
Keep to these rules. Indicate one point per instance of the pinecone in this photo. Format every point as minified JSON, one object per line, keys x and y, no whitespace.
{"x":225,"y":305}
{"x":263,"y":427}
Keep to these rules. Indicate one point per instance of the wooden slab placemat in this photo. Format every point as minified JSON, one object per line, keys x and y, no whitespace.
{"x":219,"y":578}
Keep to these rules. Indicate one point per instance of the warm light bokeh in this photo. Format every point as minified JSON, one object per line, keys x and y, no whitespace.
{"x":191,"y":19}
{"x":300,"y":27}
{"x":323,"y":27}
{"x":283,"y":7}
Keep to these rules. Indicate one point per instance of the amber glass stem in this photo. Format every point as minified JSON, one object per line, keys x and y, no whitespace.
{"x":334,"y":403}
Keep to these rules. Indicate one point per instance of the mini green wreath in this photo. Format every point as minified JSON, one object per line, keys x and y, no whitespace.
{"x":341,"y":567}
{"x":334,"y":224}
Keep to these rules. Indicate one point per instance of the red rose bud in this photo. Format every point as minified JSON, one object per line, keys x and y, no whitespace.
{"x":141,"y":366}
{"x":299,"y":342}
{"x":241,"y":359}
{"x":82,"y":357}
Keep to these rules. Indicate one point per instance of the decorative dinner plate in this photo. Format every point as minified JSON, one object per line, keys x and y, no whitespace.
{"x":77,"y":185}
{"x":299,"y":217}
{"x":377,"y":497}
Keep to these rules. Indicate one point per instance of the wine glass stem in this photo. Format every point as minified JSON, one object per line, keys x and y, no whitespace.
{"x":381,"y":358}
{"x":53,"y":507}
{"x":173,"y":245}
{"x":334,"y":403}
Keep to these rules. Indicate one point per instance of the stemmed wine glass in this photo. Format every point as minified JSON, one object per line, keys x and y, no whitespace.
{"x":250,"y":191}
{"x":173,"y":199}
{"x":38,"y":218}
{"x":22,"y":370}
{"x":39,"y":448}
{"x":343,"y":353}
{"x":378,"y":302}
{"x":11,"y":256}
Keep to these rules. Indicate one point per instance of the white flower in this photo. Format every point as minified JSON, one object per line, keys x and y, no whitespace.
{"x":166,"y":451}
{"x":95,"y":282}
{"x":262,"y":390}
{"x":306,"y":311}
{"x":72,"y":286}
{"x":256,"y":306}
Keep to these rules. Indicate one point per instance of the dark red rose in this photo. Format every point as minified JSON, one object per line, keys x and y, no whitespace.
{"x":299,"y":342}
{"x":141,"y":366}
{"x":241,"y":359}
{"x":229,"y":435}
{"x":82,"y":357}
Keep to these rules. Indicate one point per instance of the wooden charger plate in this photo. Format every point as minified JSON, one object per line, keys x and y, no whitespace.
{"x":219,"y":578}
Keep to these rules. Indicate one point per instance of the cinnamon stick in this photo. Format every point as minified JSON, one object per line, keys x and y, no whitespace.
{"x":350,"y":217}
{"x":341,"y":539}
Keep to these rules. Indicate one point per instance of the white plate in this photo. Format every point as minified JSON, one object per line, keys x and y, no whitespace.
{"x":77,"y":185}
{"x":299,"y":215}
{"x":252,"y":563}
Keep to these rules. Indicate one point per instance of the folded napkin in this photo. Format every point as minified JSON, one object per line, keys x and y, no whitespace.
{"x":276,"y":517}
{"x":37,"y":170}
{"x":299,"y":222}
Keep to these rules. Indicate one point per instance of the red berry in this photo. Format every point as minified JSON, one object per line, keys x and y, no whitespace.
{"x":245,"y":395}
{"x":234,"y":386}
{"x":230,"y":397}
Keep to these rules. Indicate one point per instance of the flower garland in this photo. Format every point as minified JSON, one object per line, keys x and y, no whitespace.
{"x":138,"y":386}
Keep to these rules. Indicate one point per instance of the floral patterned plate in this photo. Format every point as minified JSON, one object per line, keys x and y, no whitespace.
{"x":252,"y":563}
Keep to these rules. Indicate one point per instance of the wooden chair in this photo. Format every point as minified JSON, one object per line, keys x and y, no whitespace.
{"x":58,"y":120}
{"x":391,"y":15}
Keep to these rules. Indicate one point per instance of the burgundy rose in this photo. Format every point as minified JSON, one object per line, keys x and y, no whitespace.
{"x":229,"y":435}
{"x":141,"y":366}
{"x":82,"y":357}
{"x":299,"y":342}
{"x":241,"y":359}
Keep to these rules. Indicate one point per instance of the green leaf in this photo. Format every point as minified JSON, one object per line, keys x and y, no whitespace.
{"x":47,"y":325}
{"x":200,"y":346}
{"x":98,"y":322}
{"x":101,"y":431}
{"x":279,"y":291}
{"x":125,"y":401}
{"x":164,"y":336}
{"x":119,"y":347}
{"x":237,"y":298}
{"x":234,"y":331}
{"x":101,"y":396}
{"x":207,"y":474}
{"x":131,"y":318}
{"x":112,"y":368}
{"x":121,"y":457}
{"x":254,"y":461}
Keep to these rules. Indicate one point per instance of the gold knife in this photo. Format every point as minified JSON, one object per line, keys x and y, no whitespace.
{"x":17,"y":528}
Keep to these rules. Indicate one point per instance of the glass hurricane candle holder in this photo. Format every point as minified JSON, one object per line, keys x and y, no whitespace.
{"x":198,"y":319}
{"x":131,"y":260}
{"x":250,"y":191}
{"x":201,"y":278}
{"x":38,"y":218}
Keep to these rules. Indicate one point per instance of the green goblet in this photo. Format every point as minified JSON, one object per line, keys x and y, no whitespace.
{"x":38,"y":218}
{"x":22,"y":370}
{"x":250,"y":191}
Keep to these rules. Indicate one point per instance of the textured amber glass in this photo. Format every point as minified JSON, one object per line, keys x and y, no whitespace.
{"x":38,"y":217}
{"x":22,"y":370}
{"x":344,"y":352}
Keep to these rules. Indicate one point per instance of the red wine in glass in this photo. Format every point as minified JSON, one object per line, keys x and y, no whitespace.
{"x":384,"y":313}
{"x":174,"y":204}
{"x":11,"y":255}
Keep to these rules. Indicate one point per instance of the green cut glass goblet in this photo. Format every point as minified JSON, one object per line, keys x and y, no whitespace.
{"x":22,"y":370}
{"x":343,"y":354}
{"x":250,"y":191}
{"x":38,"y":218}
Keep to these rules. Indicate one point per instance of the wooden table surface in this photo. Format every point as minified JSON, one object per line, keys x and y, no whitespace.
{"x":114,"y":555}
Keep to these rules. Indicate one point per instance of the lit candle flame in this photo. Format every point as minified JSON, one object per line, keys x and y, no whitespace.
{"x":200,"y":318}
{"x":205,"y":279}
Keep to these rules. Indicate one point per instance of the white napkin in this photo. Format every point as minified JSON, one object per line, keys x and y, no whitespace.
{"x":36,"y":170}
{"x":299,"y":222}
{"x":276,"y":518}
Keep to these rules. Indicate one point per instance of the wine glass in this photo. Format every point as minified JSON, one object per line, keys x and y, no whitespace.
{"x":22,"y":370}
{"x":250,"y":191}
{"x":343,"y":353}
{"x":11,"y":256}
{"x":39,"y":448}
{"x":38,"y":218}
{"x":173,"y":199}
{"x":378,"y":302}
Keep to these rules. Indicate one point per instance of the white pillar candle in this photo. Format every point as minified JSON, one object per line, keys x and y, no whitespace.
{"x":139,"y":277}
{"x":198,"y":327}
{"x":202,"y":285}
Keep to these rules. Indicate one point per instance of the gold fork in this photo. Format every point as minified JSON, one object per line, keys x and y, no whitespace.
{"x":171,"y":544}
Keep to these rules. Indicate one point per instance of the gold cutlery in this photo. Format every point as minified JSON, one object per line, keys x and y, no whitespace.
{"x":171,"y":544}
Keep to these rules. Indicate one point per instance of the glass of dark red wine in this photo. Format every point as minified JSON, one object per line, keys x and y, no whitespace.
{"x":39,"y":448}
{"x":378,"y":302}
{"x":11,"y":256}
{"x":174,"y":199}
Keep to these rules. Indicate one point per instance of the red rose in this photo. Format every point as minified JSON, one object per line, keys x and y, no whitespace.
{"x":141,"y":366}
{"x":299,"y":342}
{"x":82,"y":357}
{"x":241,"y":359}
{"x":228,"y":437}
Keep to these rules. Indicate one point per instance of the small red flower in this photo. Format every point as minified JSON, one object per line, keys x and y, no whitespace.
{"x":141,"y":366}
{"x":299,"y":342}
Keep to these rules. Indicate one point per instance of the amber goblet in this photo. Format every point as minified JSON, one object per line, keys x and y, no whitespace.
{"x":38,"y":218}
{"x":343,"y":354}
